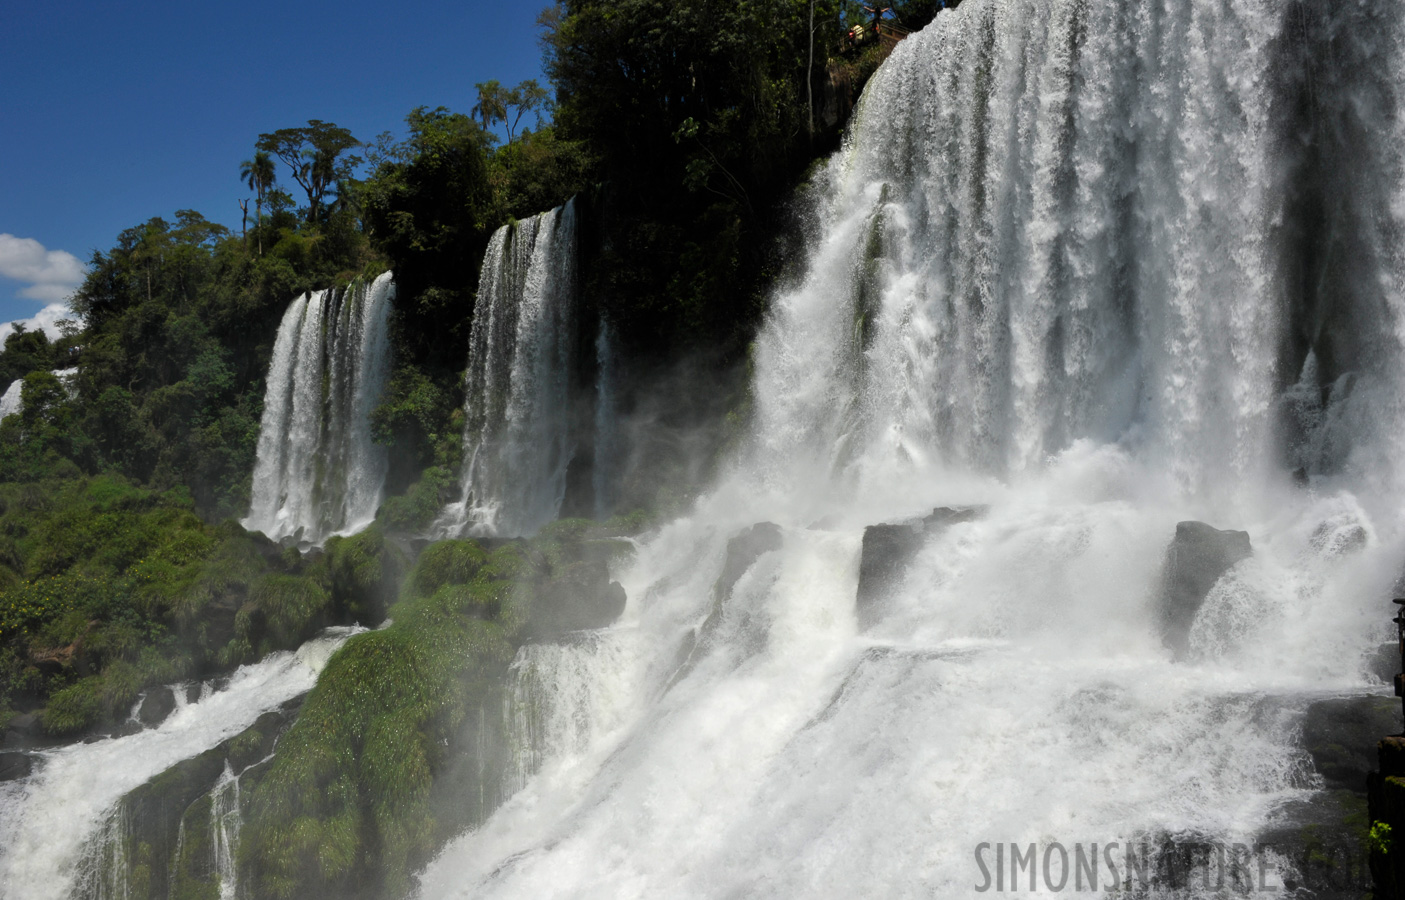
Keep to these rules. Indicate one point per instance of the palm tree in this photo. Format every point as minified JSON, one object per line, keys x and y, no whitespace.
{"x":258,"y":173}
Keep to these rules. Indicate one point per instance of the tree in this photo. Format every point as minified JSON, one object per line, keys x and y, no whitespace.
{"x":492,"y":103}
{"x":529,"y":96}
{"x":315,"y":155}
{"x":259,"y":174}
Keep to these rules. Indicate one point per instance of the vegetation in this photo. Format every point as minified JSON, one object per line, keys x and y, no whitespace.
{"x":682,"y":128}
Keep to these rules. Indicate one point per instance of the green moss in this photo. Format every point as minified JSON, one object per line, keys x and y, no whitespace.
{"x":292,"y":606}
{"x":346,"y":801}
{"x":74,"y":709}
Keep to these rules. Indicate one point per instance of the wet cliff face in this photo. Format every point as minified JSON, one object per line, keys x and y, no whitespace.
{"x":1335,"y":111}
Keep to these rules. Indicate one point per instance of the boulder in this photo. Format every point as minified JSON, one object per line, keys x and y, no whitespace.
{"x":28,"y":725}
{"x":158,"y":703}
{"x":14,"y":766}
{"x":889,"y":549}
{"x":581,"y":596}
{"x":1199,"y":554}
{"x":743,"y":551}
{"x":1341,"y":734}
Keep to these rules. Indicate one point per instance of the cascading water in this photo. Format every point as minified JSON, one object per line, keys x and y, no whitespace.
{"x":318,"y":471}
{"x":62,"y":830}
{"x":517,"y":437}
{"x":1075,"y":271}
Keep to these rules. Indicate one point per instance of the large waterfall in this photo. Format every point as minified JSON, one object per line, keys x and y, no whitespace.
{"x":517,"y":436}
{"x":1085,"y":269}
{"x":318,"y":471}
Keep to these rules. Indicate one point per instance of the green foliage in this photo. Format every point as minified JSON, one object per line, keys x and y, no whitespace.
{"x":1379,"y":839}
{"x":416,"y":508}
{"x":346,"y":802}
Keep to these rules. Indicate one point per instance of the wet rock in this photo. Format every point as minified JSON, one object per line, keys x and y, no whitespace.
{"x":1196,"y":559}
{"x":744,"y":550}
{"x":1340,"y":734}
{"x":14,"y":766}
{"x":579,"y":597}
{"x":159,"y":703}
{"x":1317,"y":845}
{"x":889,"y":549}
{"x":1384,"y":663}
{"x":28,"y":725}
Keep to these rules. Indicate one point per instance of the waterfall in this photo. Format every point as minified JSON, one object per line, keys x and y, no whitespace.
{"x":1085,"y":269}
{"x":11,"y":401}
{"x":605,"y":474}
{"x":225,"y":822}
{"x":63,"y":832}
{"x":318,"y":471}
{"x":517,"y":435}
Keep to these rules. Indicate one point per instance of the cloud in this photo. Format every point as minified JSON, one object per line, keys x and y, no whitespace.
{"x":46,"y":320}
{"x":52,"y":275}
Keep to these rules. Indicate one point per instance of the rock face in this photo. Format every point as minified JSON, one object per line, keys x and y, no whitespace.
{"x":743,"y":552}
{"x":14,"y":766}
{"x":578,"y":593}
{"x":1196,"y":559}
{"x":159,"y":703}
{"x":1341,"y":735}
{"x":889,"y":549}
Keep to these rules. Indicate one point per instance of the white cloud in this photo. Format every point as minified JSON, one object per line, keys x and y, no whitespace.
{"x":46,"y":320}
{"x":52,"y":275}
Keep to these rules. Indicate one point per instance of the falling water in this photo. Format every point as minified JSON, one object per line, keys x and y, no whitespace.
{"x":225,"y":822}
{"x":1075,"y":270}
{"x":62,"y":830}
{"x":517,"y":437}
{"x":10,"y":402}
{"x":318,"y":471}
{"x":605,"y":473}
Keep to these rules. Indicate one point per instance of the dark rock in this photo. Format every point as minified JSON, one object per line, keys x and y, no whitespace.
{"x":1317,"y":844}
{"x":888,"y":550}
{"x":744,"y":550}
{"x":1196,"y":559}
{"x":192,"y":691}
{"x":580,"y":596}
{"x":1384,"y":663}
{"x":158,"y":703}
{"x":27,"y":724}
{"x":1341,"y":734}
{"x":14,"y":766}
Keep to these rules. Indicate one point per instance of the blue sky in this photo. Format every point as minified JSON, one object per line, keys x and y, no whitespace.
{"x":114,"y":112}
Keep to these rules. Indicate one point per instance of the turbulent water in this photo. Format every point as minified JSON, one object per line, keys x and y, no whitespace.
{"x":318,"y":471}
{"x":1096,"y":267}
{"x":517,"y":434}
{"x":47,"y":820}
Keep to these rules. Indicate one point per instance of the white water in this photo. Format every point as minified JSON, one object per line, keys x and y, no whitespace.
{"x":318,"y":471}
{"x":48,"y":818}
{"x":10,"y":402}
{"x":607,"y":436}
{"x":517,"y":435}
{"x":225,"y":824}
{"x":1049,"y":280}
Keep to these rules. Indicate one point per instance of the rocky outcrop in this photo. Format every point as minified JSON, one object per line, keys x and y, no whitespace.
{"x":1340,"y":735}
{"x":576,"y":592}
{"x":744,"y":550}
{"x":158,"y":703}
{"x":1198,"y":556}
{"x":14,"y":766}
{"x":889,"y":549}
{"x":152,"y":816}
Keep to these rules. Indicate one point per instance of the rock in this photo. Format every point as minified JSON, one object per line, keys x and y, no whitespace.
{"x":158,"y":703}
{"x":28,"y":725}
{"x":744,"y":550}
{"x":1341,"y":735}
{"x":580,"y":597}
{"x":889,"y":549}
{"x":1196,"y":559}
{"x":14,"y":766}
{"x":1384,"y":663}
